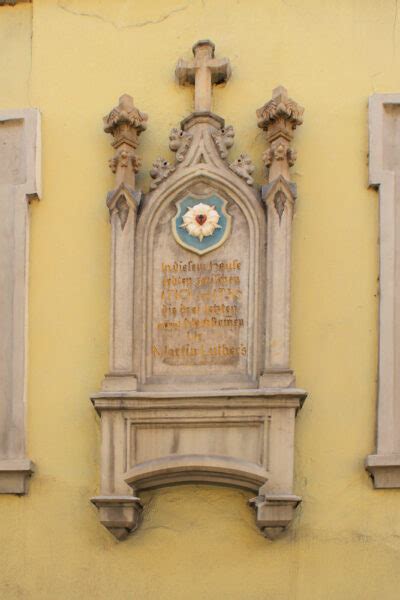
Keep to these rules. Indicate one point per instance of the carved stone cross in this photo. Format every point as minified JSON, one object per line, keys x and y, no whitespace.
{"x":202,"y":72}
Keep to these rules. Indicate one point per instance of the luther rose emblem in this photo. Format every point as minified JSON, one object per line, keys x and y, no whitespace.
{"x":201,"y":225}
{"x":201,"y":220}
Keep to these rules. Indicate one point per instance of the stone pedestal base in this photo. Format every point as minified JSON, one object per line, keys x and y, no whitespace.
{"x":239,"y":438}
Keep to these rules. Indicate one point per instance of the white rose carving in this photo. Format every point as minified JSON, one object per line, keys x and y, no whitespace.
{"x":201,"y":220}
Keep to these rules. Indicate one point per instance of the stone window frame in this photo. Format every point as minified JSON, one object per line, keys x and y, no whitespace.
{"x":20,"y":182}
{"x":384,"y":175}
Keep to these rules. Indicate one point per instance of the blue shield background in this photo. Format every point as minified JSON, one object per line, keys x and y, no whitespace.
{"x":209,"y":242}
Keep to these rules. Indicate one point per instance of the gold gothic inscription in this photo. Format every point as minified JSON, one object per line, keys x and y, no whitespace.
{"x":200,"y":309}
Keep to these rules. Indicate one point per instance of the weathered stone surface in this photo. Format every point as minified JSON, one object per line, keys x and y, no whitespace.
{"x":384,"y":169}
{"x":201,"y":310}
{"x":198,"y":389}
{"x":19,"y":183}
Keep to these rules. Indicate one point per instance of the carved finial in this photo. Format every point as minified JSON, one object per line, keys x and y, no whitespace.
{"x":281,"y":114}
{"x":203,"y":71}
{"x":125,"y":123}
{"x":279,"y":118}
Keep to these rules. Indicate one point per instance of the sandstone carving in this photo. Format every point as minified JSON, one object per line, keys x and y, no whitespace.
{"x":243,"y":167}
{"x":160,"y":170}
{"x":280,"y":110}
{"x":278,"y":118}
{"x":279,"y":202}
{"x":124,"y":159}
{"x":203,"y":71}
{"x":224,"y":139}
{"x":279,"y":151}
{"x":199,"y":388}
{"x":179,"y":142}
{"x":125,"y":123}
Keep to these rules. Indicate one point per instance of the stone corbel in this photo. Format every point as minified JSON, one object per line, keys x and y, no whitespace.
{"x":119,"y":514}
{"x":278,"y":118}
{"x":125,"y":123}
{"x":274,"y":512}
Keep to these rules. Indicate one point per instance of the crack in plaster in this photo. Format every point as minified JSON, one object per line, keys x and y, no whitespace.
{"x":129,"y":26}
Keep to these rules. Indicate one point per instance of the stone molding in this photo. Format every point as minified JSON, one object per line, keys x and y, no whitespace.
{"x":20,"y":183}
{"x":384,"y":171}
{"x":228,"y":421}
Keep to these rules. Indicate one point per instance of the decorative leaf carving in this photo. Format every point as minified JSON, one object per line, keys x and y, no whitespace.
{"x":280,"y":108}
{"x":279,"y":151}
{"x":291,"y":156}
{"x":125,"y":117}
{"x":160,"y":170}
{"x":223,"y":139}
{"x":125,"y":123}
{"x":124,"y":158}
{"x":179,"y":142}
{"x":243,"y":167}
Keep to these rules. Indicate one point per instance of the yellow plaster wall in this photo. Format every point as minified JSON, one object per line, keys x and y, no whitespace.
{"x":199,"y":542}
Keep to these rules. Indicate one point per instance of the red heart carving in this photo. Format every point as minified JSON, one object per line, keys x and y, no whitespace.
{"x":201,"y":219}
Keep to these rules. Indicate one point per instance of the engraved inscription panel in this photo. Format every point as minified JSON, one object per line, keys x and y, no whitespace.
{"x":200,"y":303}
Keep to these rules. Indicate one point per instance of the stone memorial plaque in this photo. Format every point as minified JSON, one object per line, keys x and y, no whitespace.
{"x":199,"y":306}
{"x":198,"y":389}
{"x":200,"y":288}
